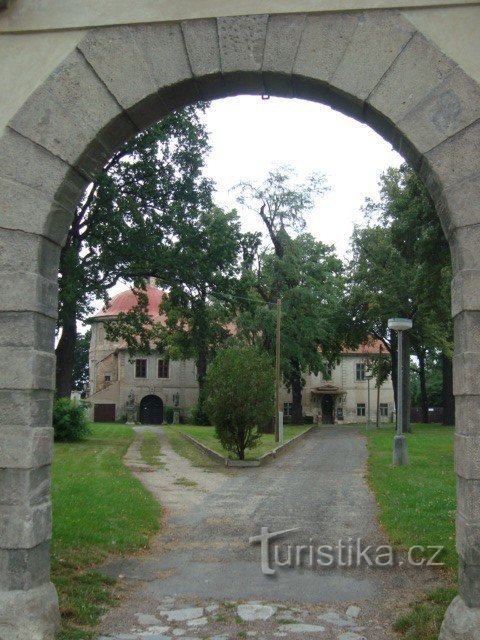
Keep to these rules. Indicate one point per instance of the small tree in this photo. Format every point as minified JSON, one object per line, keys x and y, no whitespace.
{"x":240,"y":396}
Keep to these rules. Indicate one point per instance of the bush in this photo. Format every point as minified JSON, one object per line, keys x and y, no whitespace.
{"x":69,"y":420}
{"x":168,"y":415}
{"x":199,"y":416}
{"x":240,"y":397}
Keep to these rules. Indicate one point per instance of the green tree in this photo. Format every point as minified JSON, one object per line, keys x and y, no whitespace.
{"x":80,"y":362}
{"x":240,"y":391}
{"x":400,"y":267}
{"x":127,"y":214}
{"x":202,"y":273}
{"x":304,"y":273}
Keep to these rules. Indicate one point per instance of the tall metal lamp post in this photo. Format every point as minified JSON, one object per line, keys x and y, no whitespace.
{"x":400,"y":455}
{"x":368,"y":377}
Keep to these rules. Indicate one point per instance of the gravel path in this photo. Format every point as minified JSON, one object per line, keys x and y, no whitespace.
{"x":203,"y":564}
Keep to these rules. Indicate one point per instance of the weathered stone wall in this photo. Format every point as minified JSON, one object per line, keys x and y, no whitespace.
{"x":92,"y":91}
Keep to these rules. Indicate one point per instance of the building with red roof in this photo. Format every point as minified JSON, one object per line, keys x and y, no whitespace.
{"x":142,"y":387}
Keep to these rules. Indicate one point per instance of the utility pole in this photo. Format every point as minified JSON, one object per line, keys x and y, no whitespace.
{"x":278,"y":408}
{"x":379,"y":378}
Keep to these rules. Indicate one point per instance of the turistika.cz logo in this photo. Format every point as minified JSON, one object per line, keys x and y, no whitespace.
{"x":350,"y":553}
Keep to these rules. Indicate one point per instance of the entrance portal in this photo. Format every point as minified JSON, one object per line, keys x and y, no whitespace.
{"x":151,"y":410}
{"x":327,"y":409}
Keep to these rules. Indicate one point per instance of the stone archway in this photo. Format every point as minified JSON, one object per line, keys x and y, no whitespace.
{"x":151,"y":410}
{"x":372,"y":65}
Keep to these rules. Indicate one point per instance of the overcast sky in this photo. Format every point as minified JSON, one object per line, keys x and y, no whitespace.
{"x":249,"y":136}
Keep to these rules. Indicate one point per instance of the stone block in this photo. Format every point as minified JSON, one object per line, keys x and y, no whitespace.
{"x":415,"y":73}
{"x":378,"y":39}
{"x":24,"y":329}
{"x":25,"y":448}
{"x":26,"y":369}
{"x":242,"y":42}
{"x":31,"y":613}
{"x":461,"y":622}
{"x":282,"y":41}
{"x":31,"y":292}
{"x":469,"y":583}
{"x":26,"y":163}
{"x":68,"y":113}
{"x":28,"y":210}
{"x":25,"y":527}
{"x":468,"y":541}
{"x":464,"y":243}
{"x":465,"y":292}
{"x":24,"y":568}
{"x":468,"y":499}
{"x":25,"y":487}
{"x":467,"y":456}
{"x":21,"y":251}
{"x":459,"y":204}
{"x":201,"y":42}
{"x":455,"y":160}
{"x":467,"y":414}
{"x":467,"y":332}
{"x":449,"y":108}
{"x":25,"y":408}
{"x":324,"y":41}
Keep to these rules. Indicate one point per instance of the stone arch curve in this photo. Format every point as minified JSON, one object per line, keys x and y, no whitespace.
{"x":372,"y":65}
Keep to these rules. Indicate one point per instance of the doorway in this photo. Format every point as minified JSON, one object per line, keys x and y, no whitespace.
{"x":327,"y":409}
{"x":151,"y":410}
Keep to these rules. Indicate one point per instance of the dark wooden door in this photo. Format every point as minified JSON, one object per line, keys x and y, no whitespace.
{"x":327,"y":409}
{"x":151,"y":410}
{"x":104,"y":413}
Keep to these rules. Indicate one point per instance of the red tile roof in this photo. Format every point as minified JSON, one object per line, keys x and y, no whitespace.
{"x":126,"y":300}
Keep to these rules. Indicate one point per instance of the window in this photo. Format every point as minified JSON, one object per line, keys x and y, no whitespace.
{"x":287,"y":409}
{"x":361,"y":410}
{"x":141,"y":368}
{"x":360,"y":371}
{"x":163,"y":368}
{"x":384,"y":409}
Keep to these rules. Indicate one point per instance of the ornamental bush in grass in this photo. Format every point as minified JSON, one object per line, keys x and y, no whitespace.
{"x":69,"y":420}
{"x":240,"y":396}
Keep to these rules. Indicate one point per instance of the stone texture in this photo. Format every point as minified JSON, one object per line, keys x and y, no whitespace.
{"x":69,"y":113}
{"x":31,"y":292}
{"x":26,"y":369}
{"x":251,"y":612}
{"x":25,"y":487}
{"x":301,"y":627}
{"x":25,"y":408}
{"x":469,"y":583}
{"x":464,"y":243}
{"x":468,"y":540}
{"x":180,"y":615}
{"x":467,"y":414}
{"x":467,"y":332}
{"x":460,"y":623}
{"x":201,"y":41}
{"x":353,"y":611}
{"x":449,"y":108}
{"x":324,"y":41}
{"x":24,"y":329}
{"x":378,"y":39}
{"x":281,"y":45}
{"x":21,"y":251}
{"x":332,"y":617}
{"x":24,"y":526}
{"x":467,"y":454}
{"x":24,"y":568}
{"x":242,"y":42}
{"x":416,"y":72}
{"x":465,"y":297}
{"x":25,"y":448}
{"x":31,"y":614}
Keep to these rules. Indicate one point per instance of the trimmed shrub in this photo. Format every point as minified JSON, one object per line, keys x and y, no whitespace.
{"x":168,"y":417}
{"x":69,"y":420}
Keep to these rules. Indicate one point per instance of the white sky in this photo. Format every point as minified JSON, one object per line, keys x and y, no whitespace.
{"x":249,"y":136}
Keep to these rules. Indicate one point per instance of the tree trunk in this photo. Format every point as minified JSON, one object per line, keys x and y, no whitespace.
{"x":406,"y":383}
{"x":447,"y":391}
{"x":423,"y":387}
{"x":65,"y":351}
{"x":296,"y":384}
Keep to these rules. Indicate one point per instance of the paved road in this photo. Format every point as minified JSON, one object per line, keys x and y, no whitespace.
{"x":316,"y":487}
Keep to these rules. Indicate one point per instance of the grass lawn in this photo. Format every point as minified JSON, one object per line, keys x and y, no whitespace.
{"x":150,"y":450}
{"x":206,"y":435}
{"x":417,"y":507}
{"x":99,"y":509}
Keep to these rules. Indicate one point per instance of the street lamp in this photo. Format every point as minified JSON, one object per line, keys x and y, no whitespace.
{"x":400,"y":456}
{"x":368,"y":377}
